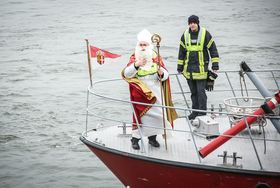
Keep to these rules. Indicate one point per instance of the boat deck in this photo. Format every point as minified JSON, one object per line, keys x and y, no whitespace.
{"x":253,"y":150}
{"x":181,"y":148}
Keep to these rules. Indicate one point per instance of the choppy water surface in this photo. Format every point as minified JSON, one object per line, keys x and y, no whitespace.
{"x":43,"y":74}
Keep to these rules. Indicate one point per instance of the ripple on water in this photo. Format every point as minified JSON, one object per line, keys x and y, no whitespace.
{"x":7,"y":138}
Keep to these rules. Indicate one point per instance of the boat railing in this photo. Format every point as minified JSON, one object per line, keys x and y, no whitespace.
{"x":103,"y":101}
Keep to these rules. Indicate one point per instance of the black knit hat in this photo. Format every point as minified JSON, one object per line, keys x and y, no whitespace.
{"x":193,"y":19}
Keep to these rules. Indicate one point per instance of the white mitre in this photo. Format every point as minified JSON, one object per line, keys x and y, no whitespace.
{"x":144,"y":36}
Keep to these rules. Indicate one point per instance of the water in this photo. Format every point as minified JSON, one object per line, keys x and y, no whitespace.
{"x":43,"y":74}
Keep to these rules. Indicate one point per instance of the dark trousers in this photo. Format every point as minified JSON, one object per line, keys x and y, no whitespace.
{"x":198,"y":95}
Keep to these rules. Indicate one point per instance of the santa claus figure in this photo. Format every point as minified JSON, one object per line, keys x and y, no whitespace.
{"x":144,"y":73}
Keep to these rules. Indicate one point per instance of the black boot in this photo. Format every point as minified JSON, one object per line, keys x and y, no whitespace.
{"x":153,"y":141}
{"x":134,"y":143}
{"x":201,"y":114}
{"x":193,"y":115}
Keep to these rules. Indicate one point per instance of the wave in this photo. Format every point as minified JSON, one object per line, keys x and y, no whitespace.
{"x":7,"y":138}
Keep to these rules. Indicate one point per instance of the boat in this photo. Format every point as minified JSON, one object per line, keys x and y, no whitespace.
{"x":237,"y":144}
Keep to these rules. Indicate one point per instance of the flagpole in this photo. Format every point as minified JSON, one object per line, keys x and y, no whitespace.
{"x":89,"y":63}
{"x":156,"y":39}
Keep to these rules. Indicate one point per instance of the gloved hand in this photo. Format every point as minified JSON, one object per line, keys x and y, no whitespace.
{"x":180,"y":68}
{"x":210,"y":85}
{"x":215,"y":66}
{"x":210,"y":80}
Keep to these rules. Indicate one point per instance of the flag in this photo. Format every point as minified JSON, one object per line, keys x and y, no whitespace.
{"x":94,"y":52}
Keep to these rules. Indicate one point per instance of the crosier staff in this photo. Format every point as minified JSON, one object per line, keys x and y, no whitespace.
{"x":156,"y":40}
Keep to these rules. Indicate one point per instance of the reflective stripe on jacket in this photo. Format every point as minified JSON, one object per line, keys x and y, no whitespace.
{"x":152,"y":70}
{"x":195,"y":48}
{"x":194,"y":52}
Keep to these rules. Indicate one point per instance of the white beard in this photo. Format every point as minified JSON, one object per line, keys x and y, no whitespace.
{"x":144,"y":54}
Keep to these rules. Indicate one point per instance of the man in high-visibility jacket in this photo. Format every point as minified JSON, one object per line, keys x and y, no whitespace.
{"x":195,"y":46}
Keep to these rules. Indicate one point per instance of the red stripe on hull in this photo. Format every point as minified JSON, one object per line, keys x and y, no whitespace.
{"x":140,"y":173}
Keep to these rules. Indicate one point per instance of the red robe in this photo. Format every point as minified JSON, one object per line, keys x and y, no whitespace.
{"x":139,"y":92}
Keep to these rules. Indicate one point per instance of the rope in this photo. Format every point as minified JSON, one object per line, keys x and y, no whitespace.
{"x":241,"y":77}
{"x":263,"y":123}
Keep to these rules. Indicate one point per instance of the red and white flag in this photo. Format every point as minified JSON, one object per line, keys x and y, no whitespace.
{"x":101,"y":54}
{"x":94,"y":50}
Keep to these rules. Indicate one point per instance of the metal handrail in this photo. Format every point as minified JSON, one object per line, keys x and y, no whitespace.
{"x":92,"y":91}
{"x":162,"y":106}
{"x":168,"y":129}
{"x":253,"y":143}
